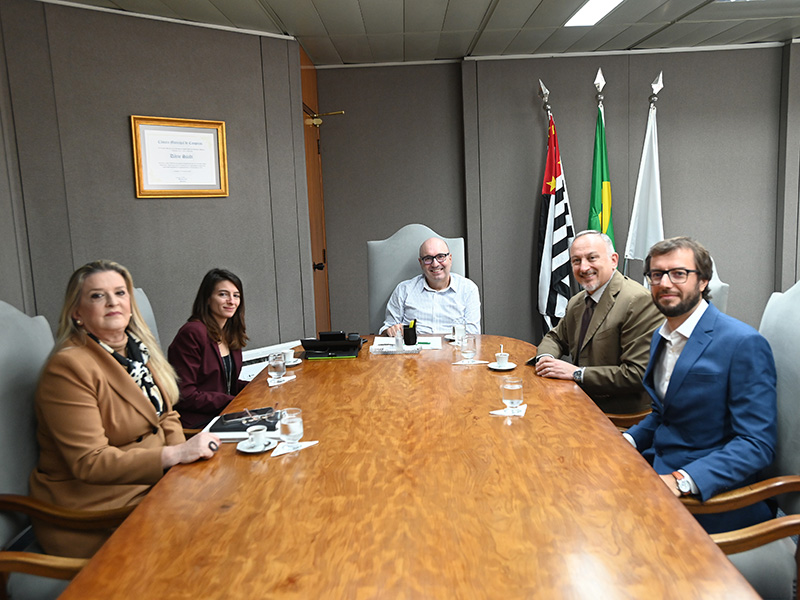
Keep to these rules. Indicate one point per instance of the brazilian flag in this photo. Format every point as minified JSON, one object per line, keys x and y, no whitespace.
{"x":600,"y":204}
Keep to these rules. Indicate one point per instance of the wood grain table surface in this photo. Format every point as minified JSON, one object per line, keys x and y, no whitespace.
{"x":416,"y":491}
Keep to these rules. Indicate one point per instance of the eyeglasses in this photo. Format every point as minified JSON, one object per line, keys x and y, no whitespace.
{"x":440,"y":258}
{"x":675,"y":275}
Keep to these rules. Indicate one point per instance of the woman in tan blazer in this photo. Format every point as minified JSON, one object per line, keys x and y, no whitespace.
{"x":106,"y":427}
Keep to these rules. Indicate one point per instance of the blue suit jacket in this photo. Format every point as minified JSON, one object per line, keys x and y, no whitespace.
{"x":717,"y":421}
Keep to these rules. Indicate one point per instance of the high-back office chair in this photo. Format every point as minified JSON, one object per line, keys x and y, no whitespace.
{"x":718,"y":289}
{"x":764,"y":553}
{"x":394,"y":259}
{"x":25,"y":344}
{"x":143,"y":302}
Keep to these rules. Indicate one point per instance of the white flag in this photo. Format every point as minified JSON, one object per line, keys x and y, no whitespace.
{"x":647,"y":225}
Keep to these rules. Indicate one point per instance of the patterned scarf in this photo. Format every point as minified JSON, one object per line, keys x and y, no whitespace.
{"x":136,"y":365}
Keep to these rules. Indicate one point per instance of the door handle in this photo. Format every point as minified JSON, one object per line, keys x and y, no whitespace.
{"x":319,"y":266}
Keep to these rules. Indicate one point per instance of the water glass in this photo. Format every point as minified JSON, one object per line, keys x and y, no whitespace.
{"x":276,"y":368}
{"x":291,"y":426}
{"x":512,"y":391}
{"x":468,"y":348}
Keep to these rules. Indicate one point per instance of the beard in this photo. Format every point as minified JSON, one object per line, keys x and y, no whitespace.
{"x":686,"y":304}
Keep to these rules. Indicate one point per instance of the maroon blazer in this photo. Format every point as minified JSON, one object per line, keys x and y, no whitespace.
{"x":201,"y":375}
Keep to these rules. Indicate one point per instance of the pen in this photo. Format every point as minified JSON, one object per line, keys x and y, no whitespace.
{"x":428,"y":343}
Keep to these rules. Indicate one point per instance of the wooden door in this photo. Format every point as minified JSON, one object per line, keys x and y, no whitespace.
{"x":316,"y":206}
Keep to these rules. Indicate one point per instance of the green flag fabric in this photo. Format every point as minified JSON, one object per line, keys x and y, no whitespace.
{"x":600,"y":204}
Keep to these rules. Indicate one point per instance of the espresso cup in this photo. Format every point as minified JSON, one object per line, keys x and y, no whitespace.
{"x":501,"y":358}
{"x":257,"y":436}
{"x":288,"y":355}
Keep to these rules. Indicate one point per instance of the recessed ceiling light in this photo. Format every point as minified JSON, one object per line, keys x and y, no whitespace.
{"x":591,"y":12}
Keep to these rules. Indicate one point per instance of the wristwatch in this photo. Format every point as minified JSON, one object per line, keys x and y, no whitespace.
{"x":578,"y":375}
{"x":684,"y":487}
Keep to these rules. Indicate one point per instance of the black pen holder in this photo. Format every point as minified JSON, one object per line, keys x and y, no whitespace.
{"x":409,"y":335}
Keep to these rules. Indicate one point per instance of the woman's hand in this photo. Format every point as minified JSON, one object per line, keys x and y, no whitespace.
{"x":202,"y":445}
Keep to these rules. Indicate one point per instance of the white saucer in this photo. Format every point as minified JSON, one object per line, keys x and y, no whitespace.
{"x":495,"y":367}
{"x":294,"y":362}
{"x":244,"y":446}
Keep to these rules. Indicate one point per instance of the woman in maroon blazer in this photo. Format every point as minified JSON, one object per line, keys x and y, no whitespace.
{"x":207,"y":351}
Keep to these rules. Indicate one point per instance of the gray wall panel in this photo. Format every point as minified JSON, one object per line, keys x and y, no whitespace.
{"x":40,"y":166}
{"x":395,"y":157}
{"x":718,"y":119}
{"x":106,"y":67}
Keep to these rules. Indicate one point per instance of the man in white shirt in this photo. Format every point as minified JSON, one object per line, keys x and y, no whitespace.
{"x":436,"y":299}
{"x":712,"y":381}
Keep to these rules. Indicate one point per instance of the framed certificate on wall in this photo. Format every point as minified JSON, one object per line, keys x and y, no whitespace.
{"x":179,"y":158}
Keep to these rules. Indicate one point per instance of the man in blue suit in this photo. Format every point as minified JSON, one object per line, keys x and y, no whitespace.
{"x":712,"y":381}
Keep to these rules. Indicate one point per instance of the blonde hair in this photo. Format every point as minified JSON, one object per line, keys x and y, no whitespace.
{"x":68,"y":329}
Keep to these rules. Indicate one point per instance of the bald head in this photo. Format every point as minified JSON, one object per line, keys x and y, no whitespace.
{"x":437,"y":273}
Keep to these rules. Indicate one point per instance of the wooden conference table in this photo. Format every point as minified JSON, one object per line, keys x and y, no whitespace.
{"x":415,"y":491}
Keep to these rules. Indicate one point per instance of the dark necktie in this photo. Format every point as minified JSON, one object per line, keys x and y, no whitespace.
{"x":585,"y":320}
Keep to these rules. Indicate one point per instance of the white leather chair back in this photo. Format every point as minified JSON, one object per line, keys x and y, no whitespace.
{"x":394,"y":259}
{"x":718,"y":289}
{"x":143,"y":302}
{"x":25,"y":344}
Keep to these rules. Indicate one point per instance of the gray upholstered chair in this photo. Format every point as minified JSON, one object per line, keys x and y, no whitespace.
{"x":25,"y":343}
{"x":394,"y":259}
{"x":718,"y":289}
{"x":765,"y":553}
{"x":143,"y":302}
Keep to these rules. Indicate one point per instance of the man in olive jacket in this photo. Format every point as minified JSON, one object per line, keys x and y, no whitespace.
{"x":609,"y":359}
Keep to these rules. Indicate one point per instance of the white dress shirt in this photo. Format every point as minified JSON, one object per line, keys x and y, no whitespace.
{"x":435,"y":311}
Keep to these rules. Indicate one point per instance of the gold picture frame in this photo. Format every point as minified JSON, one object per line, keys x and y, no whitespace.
{"x":179,"y":158}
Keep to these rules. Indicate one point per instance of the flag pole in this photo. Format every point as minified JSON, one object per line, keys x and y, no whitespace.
{"x":656,"y":86}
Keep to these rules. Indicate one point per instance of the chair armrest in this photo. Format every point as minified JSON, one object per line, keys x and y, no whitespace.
{"x":625,"y":421}
{"x":64,"y":517}
{"x":747,"y":538}
{"x":56,"y":567}
{"x":189,"y":432}
{"x":743,"y":496}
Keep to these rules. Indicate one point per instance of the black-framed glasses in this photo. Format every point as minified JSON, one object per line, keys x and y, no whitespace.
{"x":675,"y":275}
{"x":440,"y":258}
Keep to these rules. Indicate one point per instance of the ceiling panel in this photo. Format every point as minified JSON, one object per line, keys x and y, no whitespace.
{"x":528,"y":40}
{"x":387,"y":47}
{"x":201,"y":11}
{"x":465,"y":15}
{"x":420,"y":46}
{"x":510,"y":14}
{"x":320,"y":50}
{"x":494,"y":43}
{"x":299,"y":17}
{"x":334,"y":32}
{"x":353,"y":48}
{"x":553,"y":13}
{"x":740,"y":30}
{"x":595,"y":37}
{"x":382,"y":16}
{"x":341,"y":18}
{"x":247,"y":14}
{"x":423,"y":16}
{"x":630,"y":37}
{"x":454,"y":44}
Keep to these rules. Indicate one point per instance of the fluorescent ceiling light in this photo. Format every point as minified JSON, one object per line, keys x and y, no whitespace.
{"x":591,"y":12}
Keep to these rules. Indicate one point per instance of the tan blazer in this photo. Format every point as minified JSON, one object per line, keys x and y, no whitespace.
{"x":616,"y":349}
{"x":99,"y":441}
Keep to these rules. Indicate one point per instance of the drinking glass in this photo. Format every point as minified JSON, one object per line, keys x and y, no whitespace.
{"x":291,"y":425}
{"x":277,"y":366}
{"x":512,"y":391}
{"x":468,"y":348}
{"x":459,"y":330}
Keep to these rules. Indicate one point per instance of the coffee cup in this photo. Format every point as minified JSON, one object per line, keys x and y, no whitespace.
{"x":501,"y":358}
{"x":257,"y":436}
{"x":288,"y":355}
